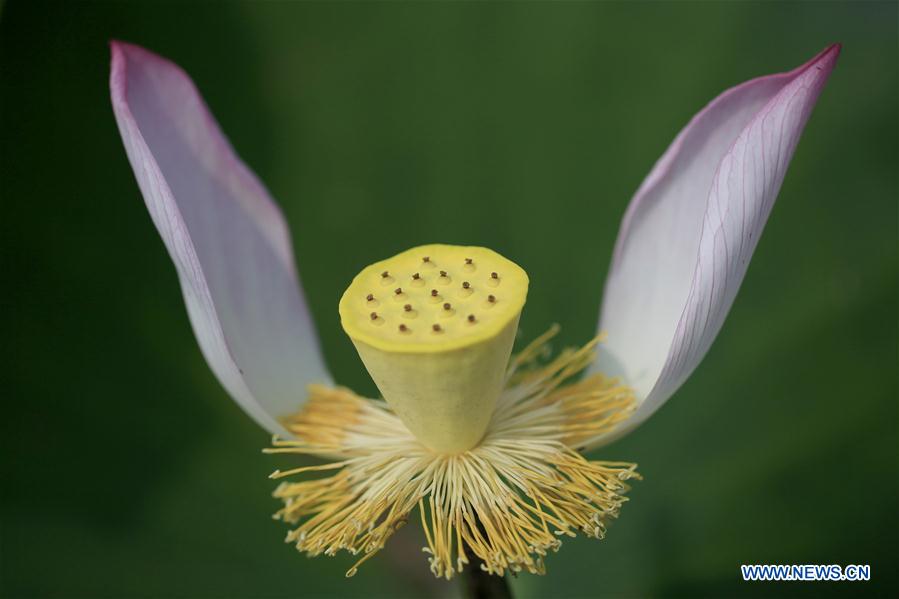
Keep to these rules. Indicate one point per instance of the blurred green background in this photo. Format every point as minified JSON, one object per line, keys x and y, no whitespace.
{"x":128,"y":472}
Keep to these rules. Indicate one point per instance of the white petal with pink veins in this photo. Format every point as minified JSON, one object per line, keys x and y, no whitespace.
{"x":227,"y":238}
{"x":689,"y":232}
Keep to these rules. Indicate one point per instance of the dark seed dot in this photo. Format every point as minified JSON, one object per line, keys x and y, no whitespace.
{"x":442,"y":273}
{"x":433,"y":293}
{"x":407,"y":307}
{"x":385,"y":274}
{"x":468,"y":261}
{"x":398,"y":290}
{"x":436,"y":327}
{"x":370,"y":297}
{"x":426,"y":259}
{"x":471,"y":318}
{"x":374,"y":315}
{"x":417,"y":276}
{"x":466,"y":285}
{"x":491,"y":298}
{"x":446,"y":306}
{"x":493,"y":275}
{"x":403,"y":328}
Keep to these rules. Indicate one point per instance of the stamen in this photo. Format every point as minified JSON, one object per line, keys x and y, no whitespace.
{"x":524,"y":483}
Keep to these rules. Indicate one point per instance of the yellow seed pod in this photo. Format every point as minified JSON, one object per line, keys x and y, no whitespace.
{"x":434,"y":326}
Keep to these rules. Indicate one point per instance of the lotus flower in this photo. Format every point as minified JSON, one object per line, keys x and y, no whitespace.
{"x":486,"y":448}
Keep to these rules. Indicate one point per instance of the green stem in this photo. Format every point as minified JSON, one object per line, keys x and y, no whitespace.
{"x":481,"y":585}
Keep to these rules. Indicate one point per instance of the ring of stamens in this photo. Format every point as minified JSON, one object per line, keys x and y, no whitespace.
{"x":509,"y":500}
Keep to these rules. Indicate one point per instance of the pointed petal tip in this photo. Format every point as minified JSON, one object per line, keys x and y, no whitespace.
{"x":825,"y":60}
{"x":827,"y":57}
{"x":121,"y":50}
{"x":118,"y":48}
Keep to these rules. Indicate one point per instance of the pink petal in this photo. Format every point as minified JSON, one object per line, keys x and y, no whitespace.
{"x":689,"y":232}
{"x":227,"y":238}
